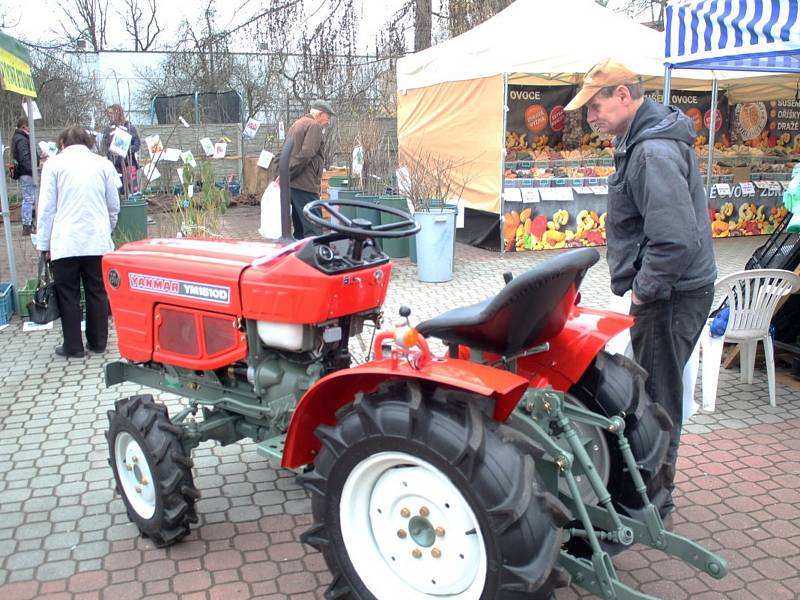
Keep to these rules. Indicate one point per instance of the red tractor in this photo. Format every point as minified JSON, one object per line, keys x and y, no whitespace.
{"x":524,"y":456}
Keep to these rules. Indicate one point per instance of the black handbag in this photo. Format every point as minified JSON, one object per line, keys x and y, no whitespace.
{"x":44,"y":306}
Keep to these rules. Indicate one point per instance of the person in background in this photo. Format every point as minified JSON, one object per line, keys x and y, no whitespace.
{"x":78,"y":209}
{"x":307,"y":162}
{"x":21,"y":154}
{"x":658,"y":232}
{"x":128,"y":165}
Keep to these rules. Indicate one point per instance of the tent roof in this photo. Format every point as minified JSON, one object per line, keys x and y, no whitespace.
{"x":568,"y":38}
{"x":556,"y":40}
{"x":740,"y":35}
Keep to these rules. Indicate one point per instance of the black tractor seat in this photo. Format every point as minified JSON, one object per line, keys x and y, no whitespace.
{"x":528,"y":311}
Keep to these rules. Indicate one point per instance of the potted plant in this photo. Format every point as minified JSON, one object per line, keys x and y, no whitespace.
{"x":200,"y":203}
{"x":434,"y":183}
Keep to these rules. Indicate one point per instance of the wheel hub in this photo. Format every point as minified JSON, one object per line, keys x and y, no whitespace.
{"x":134,"y":475}
{"x":407,"y":512}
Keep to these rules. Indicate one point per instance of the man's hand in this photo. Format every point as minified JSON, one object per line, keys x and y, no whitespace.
{"x":635,"y":299}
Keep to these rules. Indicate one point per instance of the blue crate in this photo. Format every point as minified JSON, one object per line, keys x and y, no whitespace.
{"x":561,"y":182}
{"x":577,"y":181}
{"x":544,"y":182}
{"x":6,"y":302}
{"x":524,"y":164}
{"x":525,"y":183}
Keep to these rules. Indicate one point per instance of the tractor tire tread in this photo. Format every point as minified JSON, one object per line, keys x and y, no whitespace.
{"x":453,"y":433}
{"x":159,"y":439}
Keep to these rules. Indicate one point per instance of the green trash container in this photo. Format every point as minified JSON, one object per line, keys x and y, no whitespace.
{"x":132,"y":220}
{"x":394,"y":247}
{"x":370,"y":214}
{"x":344,"y":194}
{"x":340,"y":181}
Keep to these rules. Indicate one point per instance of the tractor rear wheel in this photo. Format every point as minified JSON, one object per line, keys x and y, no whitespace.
{"x":151,"y":468}
{"x":422,"y":496}
{"x":614,"y":385}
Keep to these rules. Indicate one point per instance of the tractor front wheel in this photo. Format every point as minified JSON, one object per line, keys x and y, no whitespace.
{"x":426,"y":498}
{"x":152,"y":472}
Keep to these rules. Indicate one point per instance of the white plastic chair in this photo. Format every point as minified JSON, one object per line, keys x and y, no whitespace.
{"x":753,"y":298}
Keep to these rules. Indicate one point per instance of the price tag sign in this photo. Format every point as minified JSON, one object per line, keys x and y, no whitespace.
{"x":512,"y":195}
{"x":723,"y":189}
{"x":529,"y":195}
{"x":582,"y":189}
{"x":748,"y":189}
{"x":560,"y":194}
{"x":600,"y":190}
{"x":762,"y":185}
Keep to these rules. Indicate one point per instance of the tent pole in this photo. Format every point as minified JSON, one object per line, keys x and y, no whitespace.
{"x":6,"y":212}
{"x":667,"y":84}
{"x":711,"y":135}
{"x":503,"y":163}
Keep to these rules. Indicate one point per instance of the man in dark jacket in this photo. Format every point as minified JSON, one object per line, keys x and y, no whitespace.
{"x":21,"y":149}
{"x":306,"y":163}
{"x":658,"y":231}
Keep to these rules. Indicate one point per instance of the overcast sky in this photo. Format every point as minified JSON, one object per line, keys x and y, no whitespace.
{"x":39,"y":19}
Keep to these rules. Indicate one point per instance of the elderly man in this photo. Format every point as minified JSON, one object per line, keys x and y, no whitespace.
{"x":307,"y":162}
{"x":658,"y":231}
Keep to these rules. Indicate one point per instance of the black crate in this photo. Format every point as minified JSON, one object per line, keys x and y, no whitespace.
{"x":781,"y":250}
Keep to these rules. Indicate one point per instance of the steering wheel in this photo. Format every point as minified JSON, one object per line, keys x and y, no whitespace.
{"x":361,"y":228}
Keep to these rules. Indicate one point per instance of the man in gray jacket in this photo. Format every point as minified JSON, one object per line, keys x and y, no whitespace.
{"x":658,"y":232}
{"x":306,"y":163}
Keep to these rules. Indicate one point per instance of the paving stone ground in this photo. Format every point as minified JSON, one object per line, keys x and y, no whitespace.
{"x":64,"y":533}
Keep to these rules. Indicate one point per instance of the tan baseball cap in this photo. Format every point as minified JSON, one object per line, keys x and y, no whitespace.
{"x":603,"y":74}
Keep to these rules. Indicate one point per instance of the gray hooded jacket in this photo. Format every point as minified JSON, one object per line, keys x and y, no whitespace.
{"x":658,"y":228}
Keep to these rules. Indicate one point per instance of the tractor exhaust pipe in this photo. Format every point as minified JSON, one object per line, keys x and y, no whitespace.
{"x":286,"y":194}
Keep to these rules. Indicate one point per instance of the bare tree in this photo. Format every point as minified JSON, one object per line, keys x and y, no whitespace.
{"x":423,"y":24}
{"x":86,"y":19}
{"x":463,"y":15}
{"x":141,"y":23}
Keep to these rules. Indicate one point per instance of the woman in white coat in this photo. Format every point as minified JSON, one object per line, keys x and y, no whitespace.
{"x":78,"y":209}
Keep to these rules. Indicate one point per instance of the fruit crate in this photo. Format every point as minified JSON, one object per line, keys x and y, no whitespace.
{"x":6,"y":302}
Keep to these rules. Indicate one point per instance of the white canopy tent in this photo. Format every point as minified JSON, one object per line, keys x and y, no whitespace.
{"x":452,"y":97}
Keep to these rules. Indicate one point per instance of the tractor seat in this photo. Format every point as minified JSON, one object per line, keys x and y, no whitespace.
{"x":528,"y":311}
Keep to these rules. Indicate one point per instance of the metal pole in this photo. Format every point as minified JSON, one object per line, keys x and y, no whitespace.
{"x":501,"y":221}
{"x":6,"y":212}
{"x":667,"y":84}
{"x":711,"y":131}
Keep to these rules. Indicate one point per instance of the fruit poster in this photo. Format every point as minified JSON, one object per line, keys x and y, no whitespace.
{"x":697,"y":106}
{"x":536,"y":115}
{"x":773,"y":124}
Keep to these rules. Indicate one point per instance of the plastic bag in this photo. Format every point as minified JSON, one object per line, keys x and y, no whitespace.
{"x":271,"y":212}
{"x":791,"y":200}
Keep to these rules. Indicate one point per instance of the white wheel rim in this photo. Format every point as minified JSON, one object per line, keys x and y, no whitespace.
{"x":440,"y":555}
{"x":134,"y":475}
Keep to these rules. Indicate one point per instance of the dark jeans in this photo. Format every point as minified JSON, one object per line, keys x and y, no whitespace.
{"x":68,"y":274}
{"x":302,"y":226}
{"x":663,"y":337}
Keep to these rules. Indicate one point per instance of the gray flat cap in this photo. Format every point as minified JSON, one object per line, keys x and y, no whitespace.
{"x":324,"y":106}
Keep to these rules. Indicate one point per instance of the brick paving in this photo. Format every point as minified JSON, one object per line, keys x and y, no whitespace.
{"x":64,"y":533}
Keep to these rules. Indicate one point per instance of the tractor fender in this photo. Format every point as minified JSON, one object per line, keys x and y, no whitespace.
{"x":321,"y":402}
{"x":573,"y":350}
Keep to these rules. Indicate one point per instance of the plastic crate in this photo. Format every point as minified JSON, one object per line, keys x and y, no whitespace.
{"x":26,"y":295}
{"x":6,"y":302}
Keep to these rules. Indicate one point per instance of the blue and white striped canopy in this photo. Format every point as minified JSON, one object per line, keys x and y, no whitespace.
{"x":735,"y":35}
